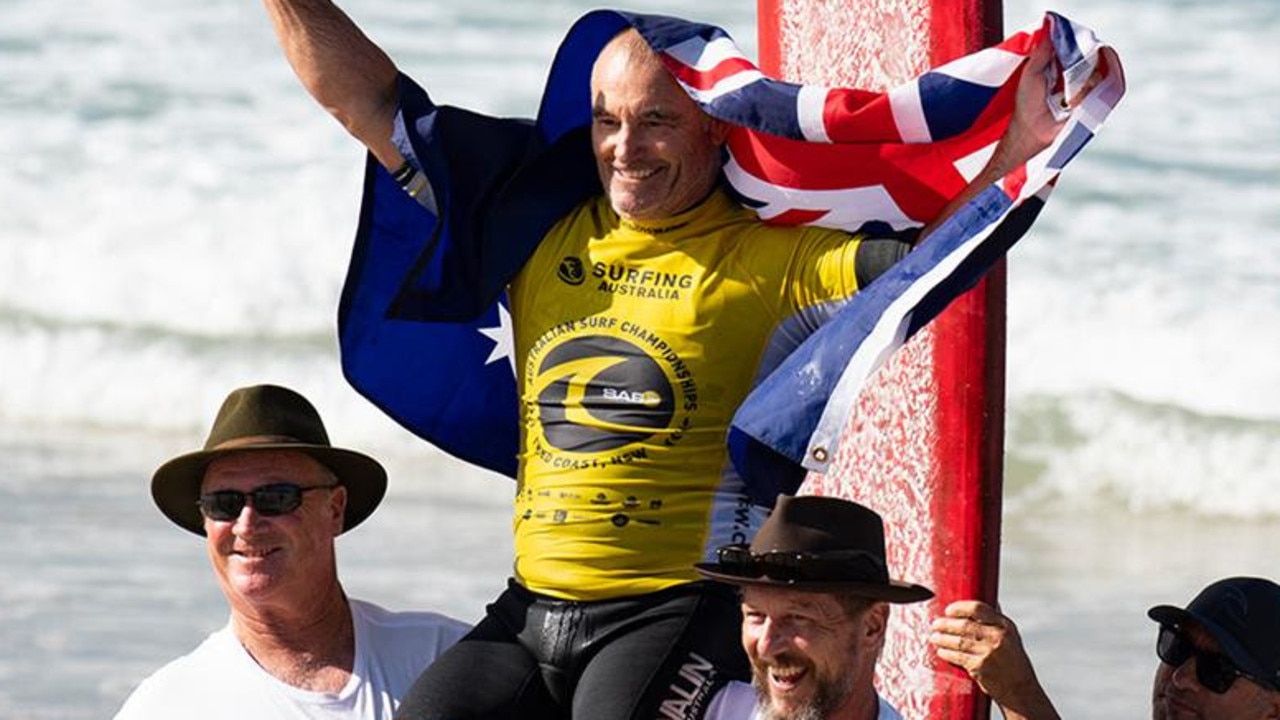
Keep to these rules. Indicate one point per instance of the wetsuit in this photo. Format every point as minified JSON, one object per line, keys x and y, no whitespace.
{"x":634,"y":346}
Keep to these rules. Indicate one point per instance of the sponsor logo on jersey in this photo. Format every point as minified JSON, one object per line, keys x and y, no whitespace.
{"x":571,"y":271}
{"x":623,"y":392}
{"x":618,"y":279}
{"x":605,"y":399}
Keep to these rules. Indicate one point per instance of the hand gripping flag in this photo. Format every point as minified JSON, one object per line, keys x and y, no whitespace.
{"x":423,"y":325}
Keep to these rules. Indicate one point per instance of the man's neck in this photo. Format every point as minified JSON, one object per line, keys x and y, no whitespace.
{"x":859,"y":706}
{"x":310,"y":647}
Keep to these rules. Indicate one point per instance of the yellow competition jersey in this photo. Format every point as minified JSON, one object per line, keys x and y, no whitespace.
{"x":637,"y":344}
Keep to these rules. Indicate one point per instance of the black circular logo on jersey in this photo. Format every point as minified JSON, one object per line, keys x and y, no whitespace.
{"x":570,"y":271}
{"x":623,"y":394}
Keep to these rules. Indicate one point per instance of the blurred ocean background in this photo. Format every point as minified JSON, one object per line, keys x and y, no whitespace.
{"x":175,"y":219}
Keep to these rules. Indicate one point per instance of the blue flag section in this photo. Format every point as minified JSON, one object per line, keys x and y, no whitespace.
{"x":423,"y":331}
{"x":449,"y":382}
{"x":787,"y":426}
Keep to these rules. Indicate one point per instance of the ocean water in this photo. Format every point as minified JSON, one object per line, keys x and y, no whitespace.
{"x":175,"y":218}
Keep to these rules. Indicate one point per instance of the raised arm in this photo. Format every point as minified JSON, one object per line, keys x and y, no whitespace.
{"x":986,"y":644}
{"x":1031,"y":129}
{"x":343,"y":70}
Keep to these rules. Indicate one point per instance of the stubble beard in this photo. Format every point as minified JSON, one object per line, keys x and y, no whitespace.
{"x":827,"y":697}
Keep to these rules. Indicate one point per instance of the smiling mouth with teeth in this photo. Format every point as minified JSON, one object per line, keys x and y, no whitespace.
{"x":636,"y":174}
{"x":787,"y":678}
{"x":254,"y":554}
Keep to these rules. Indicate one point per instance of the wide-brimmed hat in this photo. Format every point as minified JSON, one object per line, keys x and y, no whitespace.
{"x":1243,"y":615}
{"x":258,"y":418}
{"x":820,"y":544}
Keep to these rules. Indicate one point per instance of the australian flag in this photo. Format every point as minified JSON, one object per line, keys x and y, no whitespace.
{"x":424,"y":330}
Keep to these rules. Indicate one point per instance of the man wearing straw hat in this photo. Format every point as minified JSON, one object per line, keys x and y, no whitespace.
{"x":815,"y":603}
{"x":269,"y":494}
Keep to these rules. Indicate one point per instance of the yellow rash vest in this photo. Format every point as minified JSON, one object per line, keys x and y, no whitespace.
{"x":635,"y":345}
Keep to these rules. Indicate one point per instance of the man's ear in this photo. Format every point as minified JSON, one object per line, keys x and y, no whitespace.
{"x":874,"y":622}
{"x":720,"y":131}
{"x":338,"y":508}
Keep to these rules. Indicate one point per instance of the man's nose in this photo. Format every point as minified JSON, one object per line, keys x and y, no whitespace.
{"x":247,"y":519}
{"x":773,"y":639}
{"x":627,"y":142}
{"x":1184,"y":675}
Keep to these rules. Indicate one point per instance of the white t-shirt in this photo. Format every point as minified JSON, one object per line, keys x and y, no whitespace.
{"x":737,"y":701}
{"x":219,"y":679}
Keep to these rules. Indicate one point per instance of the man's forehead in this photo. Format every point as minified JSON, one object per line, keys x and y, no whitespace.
{"x":258,"y":465}
{"x":762,"y":597}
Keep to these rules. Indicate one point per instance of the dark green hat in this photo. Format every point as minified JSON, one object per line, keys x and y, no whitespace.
{"x":266,"y":417}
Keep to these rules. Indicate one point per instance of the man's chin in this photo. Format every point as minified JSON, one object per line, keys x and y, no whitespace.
{"x":636,"y":206}
{"x":794,"y":703}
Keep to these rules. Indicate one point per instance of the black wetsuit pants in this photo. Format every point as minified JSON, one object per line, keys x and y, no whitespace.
{"x":657,"y":656}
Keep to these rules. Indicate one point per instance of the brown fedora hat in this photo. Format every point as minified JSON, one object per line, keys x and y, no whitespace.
{"x":266,"y":417}
{"x":819,"y":544}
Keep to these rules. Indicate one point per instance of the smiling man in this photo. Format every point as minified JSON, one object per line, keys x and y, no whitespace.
{"x":815,"y":605}
{"x":269,"y":494}
{"x":650,"y":307}
{"x":1219,"y":656}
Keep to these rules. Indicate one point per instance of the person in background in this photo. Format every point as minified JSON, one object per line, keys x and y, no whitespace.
{"x":1219,"y":656}
{"x":269,"y":494}
{"x":815,"y":604}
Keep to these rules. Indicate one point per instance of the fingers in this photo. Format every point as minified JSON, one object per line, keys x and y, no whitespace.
{"x":966,"y":636}
{"x":972,"y":609}
{"x":1041,"y":55}
{"x":969,"y":632}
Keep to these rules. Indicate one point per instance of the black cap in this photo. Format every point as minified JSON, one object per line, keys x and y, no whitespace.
{"x":1243,"y":615}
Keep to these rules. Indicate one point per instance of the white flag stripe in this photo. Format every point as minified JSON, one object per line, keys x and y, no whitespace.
{"x":847,"y":209}
{"x":970,"y":165}
{"x":703,"y":56}
{"x":908,"y":114}
{"x":810,"y":107}
{"x":991,"y":68}
{"x":726,"y":86}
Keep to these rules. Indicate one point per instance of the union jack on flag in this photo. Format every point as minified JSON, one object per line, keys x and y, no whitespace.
{"x":430,"y":274}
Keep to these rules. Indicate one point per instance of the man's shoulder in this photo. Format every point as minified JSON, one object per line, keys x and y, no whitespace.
{"x":735,"y":701}
{"x":179,"y":683}
{"x":887,"y":711}
{"x":420,"y":623}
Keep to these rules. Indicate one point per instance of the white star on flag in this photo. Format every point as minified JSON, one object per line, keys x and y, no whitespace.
{"x":503,"y":339}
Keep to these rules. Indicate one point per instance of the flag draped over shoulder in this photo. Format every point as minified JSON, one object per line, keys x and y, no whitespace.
{"x":423,"y":326}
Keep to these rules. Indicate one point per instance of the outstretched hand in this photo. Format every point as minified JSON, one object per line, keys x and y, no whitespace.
{"x":1032,"y":128}
{"x":1032,"y":115}
{"x":976,"y":637}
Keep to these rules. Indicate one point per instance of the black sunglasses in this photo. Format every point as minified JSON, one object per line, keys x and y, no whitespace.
{"x":833,"y":565}
{"x":1214,"y":670}
{"x":269,"y":500}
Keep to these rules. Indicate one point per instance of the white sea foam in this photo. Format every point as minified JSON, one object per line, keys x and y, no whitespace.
{"x":178,"y":214}
{"x":175,"y":218}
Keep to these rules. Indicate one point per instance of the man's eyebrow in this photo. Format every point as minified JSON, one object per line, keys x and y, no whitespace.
{"x":659,"y":113}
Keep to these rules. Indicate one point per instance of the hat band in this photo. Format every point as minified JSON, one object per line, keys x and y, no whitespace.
{"x":794,"y":566}
{"x":257,"y":440}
